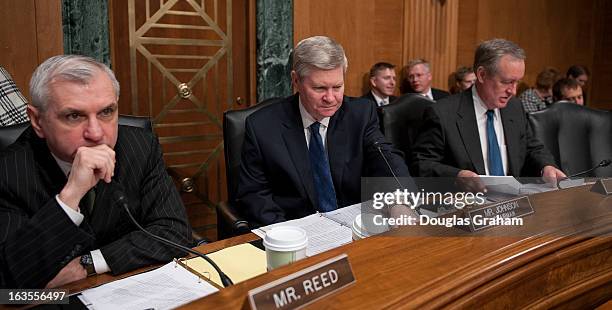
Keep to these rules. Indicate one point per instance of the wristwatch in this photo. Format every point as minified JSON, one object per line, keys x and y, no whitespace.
{"x":87,"y":263}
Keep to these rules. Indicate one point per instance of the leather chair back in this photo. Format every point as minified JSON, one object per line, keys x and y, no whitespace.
{"x":401,"y":120}
{"x":233,"y":136}
{"x":578,"y":137}
{"x":9,"y":134}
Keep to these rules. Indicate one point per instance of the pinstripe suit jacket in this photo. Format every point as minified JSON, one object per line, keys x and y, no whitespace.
{"x":37,"y":238}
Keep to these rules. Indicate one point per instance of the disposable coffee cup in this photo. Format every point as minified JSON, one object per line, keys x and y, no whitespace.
{"x":284,"y":245}
{"x":363,"y":226}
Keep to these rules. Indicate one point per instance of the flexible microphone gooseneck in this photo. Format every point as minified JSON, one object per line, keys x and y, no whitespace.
{"x":603,"y":163}
{"x":377,"y":145}
{"x":120,"y":199}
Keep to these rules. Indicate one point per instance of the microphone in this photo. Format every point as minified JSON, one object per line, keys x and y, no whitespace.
{"x":603,"y":163}
{"x":377,"y":145}
{"x":121,"y":200}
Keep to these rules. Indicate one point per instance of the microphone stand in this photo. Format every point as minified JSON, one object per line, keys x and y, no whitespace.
{"x":121,"y":200}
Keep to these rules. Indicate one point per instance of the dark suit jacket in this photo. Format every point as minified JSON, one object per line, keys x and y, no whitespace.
{"x":449,"y":140}
{"x":436,"y":93}
{"x":370,"y":96}
{"x":439,"y":94}
{"x":37,"y":238}
{"x":276,"y":182}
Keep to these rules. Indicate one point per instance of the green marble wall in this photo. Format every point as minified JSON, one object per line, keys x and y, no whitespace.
{"x":85,"y":26}
{"x":274,"y":46}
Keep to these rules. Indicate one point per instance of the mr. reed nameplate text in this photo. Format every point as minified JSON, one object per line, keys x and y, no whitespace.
{"x":304,"y":286}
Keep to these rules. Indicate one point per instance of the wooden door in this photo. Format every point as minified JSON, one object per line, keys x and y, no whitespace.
{"x":185,"y":62}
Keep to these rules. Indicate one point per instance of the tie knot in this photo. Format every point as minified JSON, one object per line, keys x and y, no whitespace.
{"x":315,"y":126}
{"x":490,"y":113}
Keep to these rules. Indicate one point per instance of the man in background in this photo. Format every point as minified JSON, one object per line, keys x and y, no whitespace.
{"x":418,"y":75}
{"x":484,"y":131}
{"x":538,"y":98}
{"x":382,"y":84}
{"x":308,"y":152}
{"x":60,"y":221}
{"x":569,"y":90}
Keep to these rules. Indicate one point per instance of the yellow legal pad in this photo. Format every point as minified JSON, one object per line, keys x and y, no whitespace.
{"x":240,"y":262}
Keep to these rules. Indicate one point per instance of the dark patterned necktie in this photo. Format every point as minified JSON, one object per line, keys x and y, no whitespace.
{"x":87,"y":202}
{"x":320,"y":170}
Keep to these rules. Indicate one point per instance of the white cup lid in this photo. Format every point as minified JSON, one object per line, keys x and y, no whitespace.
{"x":285,"y":238}
{"x":364,"y":225}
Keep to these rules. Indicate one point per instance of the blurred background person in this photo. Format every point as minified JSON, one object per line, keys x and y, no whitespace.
{"x":569,"y":90}
{"x":538,"y":98}
{"x":581,"y":75}
{"x":462,"y":79}
{"x":382,"y":84}
{"x":417,"y":79}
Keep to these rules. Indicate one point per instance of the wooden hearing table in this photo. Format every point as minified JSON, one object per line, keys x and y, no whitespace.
{"x":538,"y":265}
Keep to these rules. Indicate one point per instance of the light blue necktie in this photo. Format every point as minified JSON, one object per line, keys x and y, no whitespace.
{"x":320,"y":171}
{"x":496,"y":166}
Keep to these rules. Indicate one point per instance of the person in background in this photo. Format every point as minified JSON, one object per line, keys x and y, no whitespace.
{"x":382,"y":84}
{"x":12,"y":102}
{"x":417,"y":79}
{"x":539,"y":97}
{"x":483,"y":131}
{"x":568,"y":90}
{"x":462,"y":79}
{"x":581,"y":74}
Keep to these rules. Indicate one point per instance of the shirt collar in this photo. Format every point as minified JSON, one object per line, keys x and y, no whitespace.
{"x":307,"y":119}
{"x":479,"y":105}
{"x":379,"y":99}
{"x":65,"y":166}
{"x":429,"y":94}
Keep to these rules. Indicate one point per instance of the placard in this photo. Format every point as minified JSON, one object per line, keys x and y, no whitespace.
{"x":603,"y":186}
{"x":489,"y":215}
{"x":305,"y":286}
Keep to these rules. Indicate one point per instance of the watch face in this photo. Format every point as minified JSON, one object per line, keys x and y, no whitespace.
{"x":86,"y":260}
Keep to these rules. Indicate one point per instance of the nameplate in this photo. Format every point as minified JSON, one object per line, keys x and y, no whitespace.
{"x":499,"y":213}
{"x":603,"y":186}
{"x":305,"y":286}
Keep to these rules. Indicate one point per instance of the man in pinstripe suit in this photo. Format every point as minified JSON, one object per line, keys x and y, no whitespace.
{"x":58,"y":221}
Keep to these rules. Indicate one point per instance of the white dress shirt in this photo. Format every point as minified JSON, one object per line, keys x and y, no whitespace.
{"x":481,"y":118}
{"x":380,"y":101}
{"x":77,"y":217}
{"x":307,"y":120}
{"x":429,"y":94}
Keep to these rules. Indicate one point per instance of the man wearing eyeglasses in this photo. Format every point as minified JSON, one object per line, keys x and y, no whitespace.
{"x":484,"y":130}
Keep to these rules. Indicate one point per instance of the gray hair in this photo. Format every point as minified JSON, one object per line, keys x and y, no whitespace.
{"x":72,"y":68}
{"x":490,"y":52}
{"x":319,"y":52}
{"x":419,"y":61}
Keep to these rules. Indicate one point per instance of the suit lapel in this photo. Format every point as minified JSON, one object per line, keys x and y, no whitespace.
{"x":511,"y":136}
{"x":50,"y":172}
{"x":295,"y":142}
{"x":468,"y":129}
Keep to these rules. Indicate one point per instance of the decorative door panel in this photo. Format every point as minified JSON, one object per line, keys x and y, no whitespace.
{"x":175,"y":63}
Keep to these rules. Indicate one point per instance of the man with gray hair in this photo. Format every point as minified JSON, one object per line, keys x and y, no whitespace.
{"x":484,"y":131}
{"x":308,"y":152}
{"x":60,"y":222}
{"x":417,"y":79}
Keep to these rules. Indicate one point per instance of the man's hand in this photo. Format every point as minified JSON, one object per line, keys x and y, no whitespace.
{"x":470,"y":181}
{"x":70,"y":273}
{"x":90,"y":165}
{"x":551,"y":175}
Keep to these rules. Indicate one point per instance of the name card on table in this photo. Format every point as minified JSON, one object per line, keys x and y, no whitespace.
{"x":603,"y":186}
{"x":499,"y":213}
{"x":304,"y":286}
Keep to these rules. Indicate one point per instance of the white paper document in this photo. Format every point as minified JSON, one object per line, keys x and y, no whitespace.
{"x":501,"y":188}
{"x":164,"y":288}
{"x":325,"y":231}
